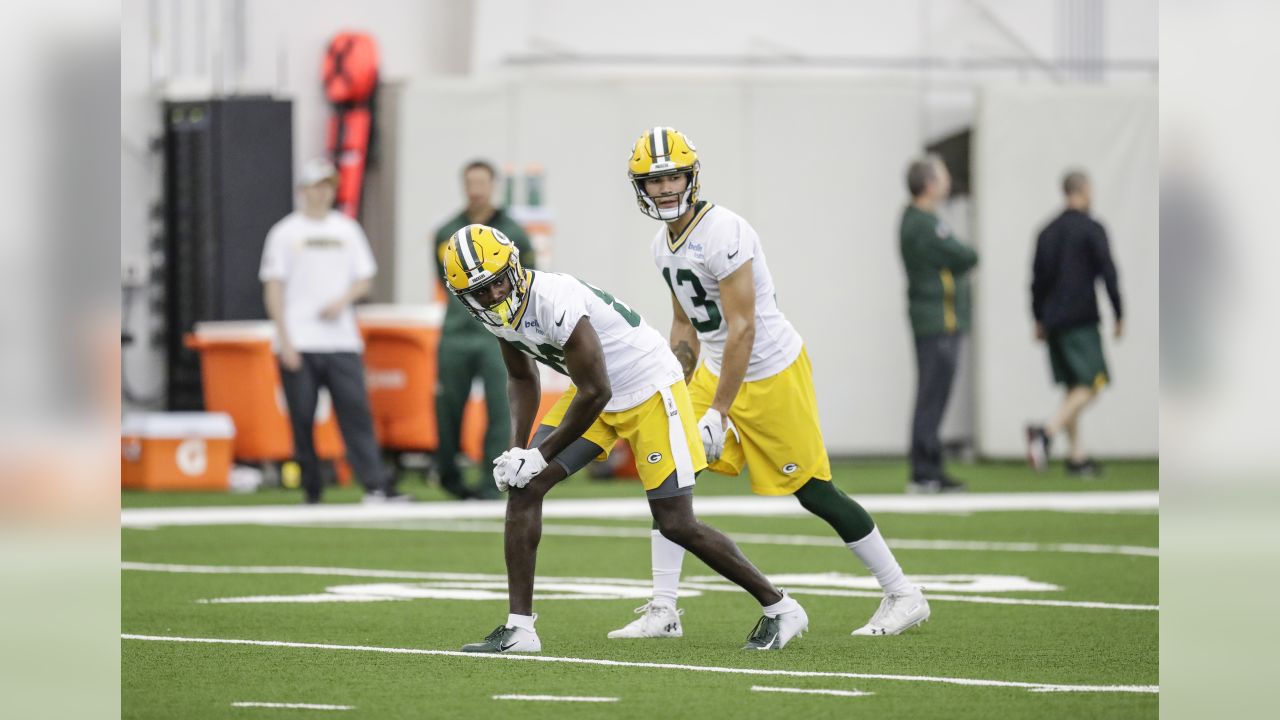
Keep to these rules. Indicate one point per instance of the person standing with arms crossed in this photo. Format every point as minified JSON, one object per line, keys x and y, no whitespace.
{"x":1072,"y":253}
{"x":938,"y":301}
{"x":466,"y":350}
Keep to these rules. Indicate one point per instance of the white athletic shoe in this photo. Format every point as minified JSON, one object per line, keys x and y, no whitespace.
{"x":897,"y":614}
{"x":773,"y":633}
{"x":655,"y":621}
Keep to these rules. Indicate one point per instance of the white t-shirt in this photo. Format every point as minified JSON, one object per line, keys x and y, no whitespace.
{"x":636,"y":356}
{"x":318,"y":261}
{"x":716,"y":243}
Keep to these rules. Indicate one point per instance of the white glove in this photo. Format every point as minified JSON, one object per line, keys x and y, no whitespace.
{"x":500,"y":472}
{"x":517,"y":466}
{"x":711,"y":428}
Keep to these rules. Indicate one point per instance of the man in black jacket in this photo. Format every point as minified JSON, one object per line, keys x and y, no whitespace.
{"x":1071,"y":253}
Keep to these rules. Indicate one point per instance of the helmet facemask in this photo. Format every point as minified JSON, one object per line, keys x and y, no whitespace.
{"x":649,"y":206}
{"x":503,"y":313}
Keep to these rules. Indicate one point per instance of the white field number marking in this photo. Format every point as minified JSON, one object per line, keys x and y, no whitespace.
{"x":807,"y":691}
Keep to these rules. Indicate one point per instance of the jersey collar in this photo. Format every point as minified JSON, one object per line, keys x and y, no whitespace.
{"x":528,"y":298}
{"x":675,"y":243}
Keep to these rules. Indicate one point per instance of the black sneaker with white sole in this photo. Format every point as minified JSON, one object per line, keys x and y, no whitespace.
{"x":507,"y":639}
{"x":773,"y":633}
{"x":1087,"y":468}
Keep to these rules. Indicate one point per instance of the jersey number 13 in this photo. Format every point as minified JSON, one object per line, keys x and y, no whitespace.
{"x":698,"y":296}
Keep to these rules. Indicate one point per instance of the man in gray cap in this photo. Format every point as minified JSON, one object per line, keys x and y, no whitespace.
{"x":316,"y":263}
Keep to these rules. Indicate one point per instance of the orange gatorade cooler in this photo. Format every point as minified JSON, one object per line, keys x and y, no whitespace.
{"x":400,"y":347}
{"x":242,"y":379}
{"x":176,"y":451}
{"x":402,"y":344}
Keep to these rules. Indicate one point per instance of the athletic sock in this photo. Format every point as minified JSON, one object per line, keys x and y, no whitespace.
{"x":668,"y":559}
{"x":876,"y":555}
{"x":521,"y":621}
{"x":785,"y":605}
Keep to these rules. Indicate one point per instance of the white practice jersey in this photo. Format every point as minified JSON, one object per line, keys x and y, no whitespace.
{"x":715,"y":244}
{"x":636,"y":356}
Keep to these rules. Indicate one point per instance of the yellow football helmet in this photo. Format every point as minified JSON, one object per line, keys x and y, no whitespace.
{"x":476,"y":257}
{"x":662,"y":151}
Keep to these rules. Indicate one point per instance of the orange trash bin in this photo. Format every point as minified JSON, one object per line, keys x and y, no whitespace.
{"x":241,"y":378}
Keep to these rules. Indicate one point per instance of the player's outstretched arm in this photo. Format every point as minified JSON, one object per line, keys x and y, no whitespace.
{"x":523,"y":392}
{"x":738,"y":300}
{"x":684,"y":339}
{"x":584,"y":359}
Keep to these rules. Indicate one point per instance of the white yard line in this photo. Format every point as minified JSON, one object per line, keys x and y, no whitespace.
{"x":970,"y":682}
{"x":688,"y":584}
{"x":708,"y":505}
{"x":807,"y":691}
{"x":613,"y":531}
{"x":556,"y":698}
{"x":292,"y":706}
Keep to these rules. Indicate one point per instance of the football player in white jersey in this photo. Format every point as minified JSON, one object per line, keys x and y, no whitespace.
{"x":754,"y":390}
{"x":626,"y":385}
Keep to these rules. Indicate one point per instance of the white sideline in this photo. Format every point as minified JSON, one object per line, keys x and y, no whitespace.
{"x":556,"y":698}
{"x":806,"y":691}
{"x":971,"y":682}
{"x":291,"y":706}
{"x":690,"y":584}
{"x":487,"y":526}
{"x":708,"y":505}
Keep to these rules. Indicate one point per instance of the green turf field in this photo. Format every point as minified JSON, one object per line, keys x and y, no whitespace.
{"x":1035,"y":613}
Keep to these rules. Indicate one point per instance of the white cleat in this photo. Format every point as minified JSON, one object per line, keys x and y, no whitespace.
{"x":773,"y":633}
{"x":655,"y":621}
{"x":897,"y":614}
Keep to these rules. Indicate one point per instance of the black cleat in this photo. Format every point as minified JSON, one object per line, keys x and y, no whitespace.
{"x":505,"y":639}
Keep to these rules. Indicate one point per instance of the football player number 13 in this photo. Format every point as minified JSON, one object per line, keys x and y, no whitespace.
{"x":685,"y":276}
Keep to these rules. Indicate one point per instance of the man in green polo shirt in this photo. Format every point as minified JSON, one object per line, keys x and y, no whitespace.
{"x":937,"y":267}
{"x":467,"y":351}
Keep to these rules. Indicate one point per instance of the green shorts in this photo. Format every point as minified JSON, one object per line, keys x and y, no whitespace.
{"x":1076,"y":357}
